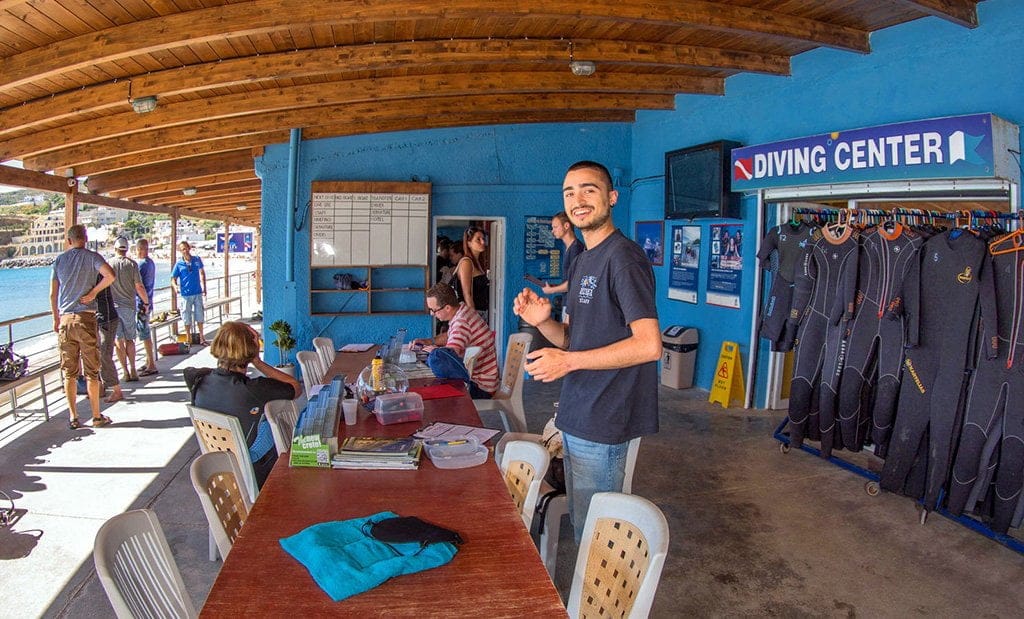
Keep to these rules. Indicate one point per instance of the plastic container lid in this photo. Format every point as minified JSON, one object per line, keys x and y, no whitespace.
{"x":456,"y":452}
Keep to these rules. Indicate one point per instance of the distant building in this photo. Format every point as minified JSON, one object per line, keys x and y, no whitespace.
{"x":45,"y":236}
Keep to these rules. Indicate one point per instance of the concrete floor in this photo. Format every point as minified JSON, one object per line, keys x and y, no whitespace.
{"x":754,"y":532}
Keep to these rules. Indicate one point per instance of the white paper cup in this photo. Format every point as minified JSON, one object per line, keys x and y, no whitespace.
{"x":350,"y":407}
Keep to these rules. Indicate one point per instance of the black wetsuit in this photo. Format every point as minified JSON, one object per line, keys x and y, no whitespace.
{"x":884,"y":321}
{"x":992,"y":439}
{"x":824,"y":287}
{"x":782,"y":251}
{"x":928,"y":415}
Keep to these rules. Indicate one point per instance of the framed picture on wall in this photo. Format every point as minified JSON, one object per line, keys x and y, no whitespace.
{"x":650,"y":235}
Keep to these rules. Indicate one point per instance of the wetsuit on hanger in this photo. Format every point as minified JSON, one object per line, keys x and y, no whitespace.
{"x":993,"y":431}
{"x":928,"y":415}
{"x":782,"y":251}
{"x":884,"y":321}
{"x":824,"y":287}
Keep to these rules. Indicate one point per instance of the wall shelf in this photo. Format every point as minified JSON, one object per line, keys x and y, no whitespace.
{"x":391,"y":289}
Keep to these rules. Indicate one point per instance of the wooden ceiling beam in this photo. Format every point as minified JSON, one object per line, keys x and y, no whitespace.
{"x":214,"y":190}
{"x":178,"y":184}
{"x":225,"y":196}
{"x":265,"y":16}
{"x":165,"y":139}
{"x":377,"y":57}
{"x":960,"y":12}
{"x":227,"y":201}
{"x":31,"y":146}
{"x":88,"y":159}
{"x":30,"y":179}
{"x":182,"y":169}
{"x":129,"y":205}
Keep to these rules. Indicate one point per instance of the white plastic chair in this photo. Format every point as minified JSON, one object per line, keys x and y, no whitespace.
{"x":625,"y":541}
{"x":312,"y":371}
{"x":137,"y":570}
{"x":469,"y":358}
{"x":282,"y":416}
{"x":523,"y":465}
{"x":558,"y":506}
{"x":324,"y":347}
{"x":218,"y":482}
{"x":508,"y":399}
{"x":219,"y":432}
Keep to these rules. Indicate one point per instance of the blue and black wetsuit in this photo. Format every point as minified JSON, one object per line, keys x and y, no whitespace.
{"x":782,"y":252}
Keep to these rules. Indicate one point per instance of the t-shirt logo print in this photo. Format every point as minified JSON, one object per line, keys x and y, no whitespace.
{"x":588,"y":284}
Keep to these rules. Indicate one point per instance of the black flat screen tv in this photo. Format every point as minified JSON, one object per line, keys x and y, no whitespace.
{"x":697,"y":182}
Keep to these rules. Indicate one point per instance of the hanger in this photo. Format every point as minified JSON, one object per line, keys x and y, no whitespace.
{"x":1008,"y":243}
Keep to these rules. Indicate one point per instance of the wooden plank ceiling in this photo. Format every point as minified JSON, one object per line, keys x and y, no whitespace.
{"x":232,"y":76}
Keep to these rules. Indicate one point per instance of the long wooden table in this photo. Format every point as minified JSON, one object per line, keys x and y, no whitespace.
{"x":497,"y":572}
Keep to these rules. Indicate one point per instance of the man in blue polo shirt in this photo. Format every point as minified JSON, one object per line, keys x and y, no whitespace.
{"x":188,"y":279}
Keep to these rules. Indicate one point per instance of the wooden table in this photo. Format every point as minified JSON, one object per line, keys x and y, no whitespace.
{"x":496,"y":573}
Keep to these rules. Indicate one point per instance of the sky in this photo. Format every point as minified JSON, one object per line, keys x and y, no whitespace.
{"x":5,"y":188}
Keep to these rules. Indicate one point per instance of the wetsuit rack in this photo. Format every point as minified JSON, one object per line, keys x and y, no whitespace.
{"x":969,"y":219}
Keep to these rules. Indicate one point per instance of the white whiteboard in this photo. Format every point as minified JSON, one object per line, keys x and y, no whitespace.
{"x":370,"y":224}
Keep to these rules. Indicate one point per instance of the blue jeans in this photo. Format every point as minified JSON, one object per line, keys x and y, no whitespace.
{"x":590,"y":468}
{"x":444,"y":363}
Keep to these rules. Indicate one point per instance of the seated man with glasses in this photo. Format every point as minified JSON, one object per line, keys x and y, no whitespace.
{"x":465,"y":329}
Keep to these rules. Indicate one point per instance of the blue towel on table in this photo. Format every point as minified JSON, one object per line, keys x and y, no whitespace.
{"x":345,"y":561}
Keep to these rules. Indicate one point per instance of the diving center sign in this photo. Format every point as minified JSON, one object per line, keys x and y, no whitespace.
{"x":953,"y":147}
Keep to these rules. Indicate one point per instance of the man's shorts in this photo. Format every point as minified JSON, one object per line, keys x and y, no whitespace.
{"x":76,"y":338}
{"x":126,"y":330}
{"x":142,"y":325}
{"x":194,"y":310}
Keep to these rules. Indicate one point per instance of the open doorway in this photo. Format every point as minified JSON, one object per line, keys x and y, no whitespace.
{"x":494,"y":229}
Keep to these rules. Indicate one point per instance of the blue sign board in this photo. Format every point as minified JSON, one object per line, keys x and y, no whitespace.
{"x":241,"y":242}
{"x":953,"y":147}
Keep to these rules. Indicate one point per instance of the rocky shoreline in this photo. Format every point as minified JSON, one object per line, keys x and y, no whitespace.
{"x":27,"y":262}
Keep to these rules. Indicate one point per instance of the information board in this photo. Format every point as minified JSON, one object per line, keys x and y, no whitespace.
{"x":368,"y":223}
{"x":543,"y":252}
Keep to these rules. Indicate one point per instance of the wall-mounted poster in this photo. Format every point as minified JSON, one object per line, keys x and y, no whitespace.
{"x":543,"y":252}
{"x":685,"y":270}
{"x":726,"y":265}
{"x":650,"y":236}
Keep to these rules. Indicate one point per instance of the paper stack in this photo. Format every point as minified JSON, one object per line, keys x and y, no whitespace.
{"x":367,"y":452}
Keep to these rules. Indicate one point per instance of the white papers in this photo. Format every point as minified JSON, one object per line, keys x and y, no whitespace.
{"x":356,"y":347}
{"x":439,"y":429}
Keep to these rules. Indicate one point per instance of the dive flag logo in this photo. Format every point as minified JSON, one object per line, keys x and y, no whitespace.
{"x":743,"y":169}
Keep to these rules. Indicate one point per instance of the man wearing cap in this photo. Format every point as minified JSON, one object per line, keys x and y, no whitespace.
{"x":73,"y":290}
{"x":127,"y":284}
{"x":188,"y":279}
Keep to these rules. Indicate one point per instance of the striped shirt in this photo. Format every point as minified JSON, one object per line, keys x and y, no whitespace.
{"x":467,"y":329}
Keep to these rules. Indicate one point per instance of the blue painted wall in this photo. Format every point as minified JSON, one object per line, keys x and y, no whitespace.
{"x":928,"y":68}
{"x":506,"y":171}
{"x":924,"y":69}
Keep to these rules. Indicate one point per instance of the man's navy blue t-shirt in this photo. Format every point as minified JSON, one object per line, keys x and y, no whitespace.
{"x":610,"y":286}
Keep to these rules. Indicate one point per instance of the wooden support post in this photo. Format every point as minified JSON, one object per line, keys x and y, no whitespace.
{"x":174,"y":260}
{"x":227,"y":253}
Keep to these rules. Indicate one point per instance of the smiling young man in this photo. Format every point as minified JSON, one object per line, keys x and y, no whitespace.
{"x":608,"y":347}
{"x":465,"y":328}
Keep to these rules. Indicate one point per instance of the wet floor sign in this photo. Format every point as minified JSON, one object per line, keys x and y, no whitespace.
{"x":728,"y":385}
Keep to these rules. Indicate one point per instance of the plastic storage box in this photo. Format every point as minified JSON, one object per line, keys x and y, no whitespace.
{"x":398,"y":408}
{"x":456,"y":453}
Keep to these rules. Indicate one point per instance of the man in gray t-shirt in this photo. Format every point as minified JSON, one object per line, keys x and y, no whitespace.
{"x":73,"y":290}
{"x":127,"y":284}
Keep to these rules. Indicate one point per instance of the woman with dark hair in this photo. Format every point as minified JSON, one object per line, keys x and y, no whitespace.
{"x":471,"y":272}
{"x":227,"y":389}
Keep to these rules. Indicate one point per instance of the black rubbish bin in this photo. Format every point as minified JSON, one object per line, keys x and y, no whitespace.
{"x":678,"y":356}
{"x":539,"y":341}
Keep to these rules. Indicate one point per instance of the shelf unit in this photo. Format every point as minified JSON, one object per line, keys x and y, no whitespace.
{"x":390,"y":289}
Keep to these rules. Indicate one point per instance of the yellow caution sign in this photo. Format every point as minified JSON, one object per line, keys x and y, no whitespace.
{"x":728,"y":385}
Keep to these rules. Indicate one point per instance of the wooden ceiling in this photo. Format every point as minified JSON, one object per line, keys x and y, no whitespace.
{"x":232,"y":76}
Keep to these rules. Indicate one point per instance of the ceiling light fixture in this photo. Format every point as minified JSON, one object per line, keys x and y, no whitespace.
{"x":580,"y":68}
{"x":190,"y":191}
{"x":144,"y":105}
{"x":241,"y":207}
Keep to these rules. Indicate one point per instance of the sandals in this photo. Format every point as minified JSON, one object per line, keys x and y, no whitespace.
{"x":148,"y":372}
{"x":99,"y":422}
{"x":74,"y":424}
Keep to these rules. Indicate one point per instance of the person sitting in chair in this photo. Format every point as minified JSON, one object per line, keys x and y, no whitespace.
{"x":465,"y":329}
{"x":226,"y":389}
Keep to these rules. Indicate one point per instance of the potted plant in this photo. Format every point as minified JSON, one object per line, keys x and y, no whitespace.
{"x":284,"y":342}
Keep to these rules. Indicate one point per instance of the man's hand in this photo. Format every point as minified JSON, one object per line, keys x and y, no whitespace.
{"x":531,"y":307}
{"x":87,"y":298}
{"x":548,"y":289}
{"x":548,"y":364}
{"x":56,"y":324}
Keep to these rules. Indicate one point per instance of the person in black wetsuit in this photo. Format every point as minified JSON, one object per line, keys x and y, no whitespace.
{"x":882,"y":323}
{"x":992,"y":439}
{"x":228,"y":390}
{"x":928,"y":415}
{"x":824,"y":289}
{"x":470,"y":281}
